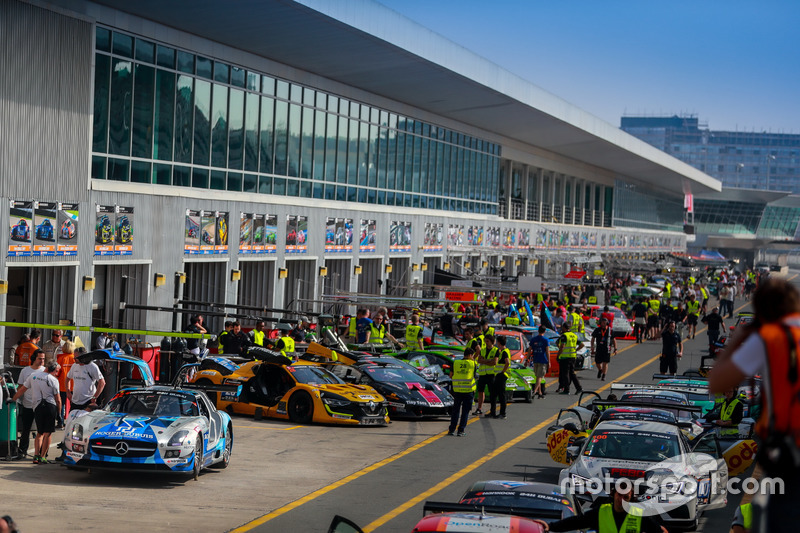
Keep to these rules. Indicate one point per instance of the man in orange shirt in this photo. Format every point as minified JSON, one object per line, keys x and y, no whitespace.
{"x":66,"y":358}
{"x":26,"y":349}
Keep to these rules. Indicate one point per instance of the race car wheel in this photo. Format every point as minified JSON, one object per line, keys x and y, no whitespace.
{"x":529,"y":397}
{"x":198,"y":459}
{"x":226,"y":453}
{"x":301,"y":408}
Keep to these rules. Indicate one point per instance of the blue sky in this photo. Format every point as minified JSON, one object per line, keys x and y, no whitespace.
{"x":733,"y":63}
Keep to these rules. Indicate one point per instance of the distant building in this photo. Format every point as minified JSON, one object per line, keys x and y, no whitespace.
{"x":749,"y":160}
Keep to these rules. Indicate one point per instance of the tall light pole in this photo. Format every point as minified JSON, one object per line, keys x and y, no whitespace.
{"x":770,"y":158}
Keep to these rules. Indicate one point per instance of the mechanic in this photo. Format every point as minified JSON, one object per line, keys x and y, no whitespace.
{"x":671,"y":349}
{"x":653,"y":307}
{"x":692,"y":314}
{"x":378,"y":331}
{"x":46,"y":405}
{"x":258,"y":334}
{"x":26,"y":349}
{"x":66,"y":359}
{"x":768,"y":346}
{"x":486,"y":329}
{"x":25,"y":413}
{"x":235,"y":341}
{"x":87,"y":384}
{"x":285,"y":343}
{"x":610,"y":517}
{"x":414,"y":334}
{"x":487,"y":359}
{"x":363,"y":324}
{"x":53,"y":347}
{"x":225,"y":332}
{"x":463,"y":392}
{"x":731,"y":412}
{"x":575,"y":322}
{"x":715,"y":322}
{"x":567,"y":352}
{"x":704,"y":303}
{"x":539,"y":358}
{"x":602,"y":343}
{"x":500,"y":372}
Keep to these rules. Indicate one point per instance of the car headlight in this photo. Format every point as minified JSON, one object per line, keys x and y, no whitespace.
{"x":580,"y":484}
{"x":179,"y":439}
{"x":77,"y":432}
{"x":334,"y":400}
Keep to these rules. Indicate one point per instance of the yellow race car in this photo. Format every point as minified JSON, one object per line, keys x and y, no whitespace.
{"x":302,"y":392}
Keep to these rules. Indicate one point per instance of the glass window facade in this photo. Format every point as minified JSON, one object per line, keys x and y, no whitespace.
{"x":713,"y":216}
{"x":158,"y":109}
{"x":634,"y":208}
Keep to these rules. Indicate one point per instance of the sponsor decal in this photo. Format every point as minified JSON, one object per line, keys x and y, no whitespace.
{"x":557,"y":444}
{"x":740,"y":456}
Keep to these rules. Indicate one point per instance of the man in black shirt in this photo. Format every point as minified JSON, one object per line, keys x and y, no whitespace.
{"x":639,"y":312}
{"x":671,"y":349}
{"x":715,"y":322}
{"x":599,"y":518}
{"x":235,"y":342}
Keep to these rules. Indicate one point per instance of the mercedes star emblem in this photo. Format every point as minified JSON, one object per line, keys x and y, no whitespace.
{"x":122,"y":448}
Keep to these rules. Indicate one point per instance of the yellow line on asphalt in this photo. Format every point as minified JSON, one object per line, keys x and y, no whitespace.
{"x":463,"y":472}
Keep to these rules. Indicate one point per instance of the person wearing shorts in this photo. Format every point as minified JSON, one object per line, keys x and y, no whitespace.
{"x":47,"y":403}
{"x":540,"y":360}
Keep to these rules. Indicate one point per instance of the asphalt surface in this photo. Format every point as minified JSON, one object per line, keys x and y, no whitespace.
{"x":285,"y":477}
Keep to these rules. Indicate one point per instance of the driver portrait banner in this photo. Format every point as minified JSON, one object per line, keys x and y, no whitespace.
{"x":221,"y":237}
{"x":400,"y":237}
{"x":246,"y":233}
{"x":67,"y":225}
{"x":104,"y":229}
{"x":123,"y":231}
{"x":20,"y":222}
{"x":191,"y":237}
{"x":44,"y":220}
{"x":434,"y":238}
{"x":367,"y":238}
{"x":208,"y":232}
{"x":270,"y":233}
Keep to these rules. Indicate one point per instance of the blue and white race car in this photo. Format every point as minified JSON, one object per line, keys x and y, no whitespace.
{"x":156,"y":428}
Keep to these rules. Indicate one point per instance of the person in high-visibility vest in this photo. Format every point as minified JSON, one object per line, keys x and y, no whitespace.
{"x":258,"y":334}
{"x":653,"y":307}
{"x":378,"y":331}
{"x":704,"y":303}
{"x":463,"y":392}
{"x":286,"y":345}
{"x":743,"y":519}
{"x":575,"y":321}
{"x":620,"y":516}
{"x":486,"y":361}
{"x":500,"y":372}
{"x":692,"y":314}
{"x":567,"y":352}
{"x":414,"y":334}
{"x":731,"y":412}
{"x":768,"y":347}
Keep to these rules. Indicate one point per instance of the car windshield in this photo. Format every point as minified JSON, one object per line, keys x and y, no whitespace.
{"x":631,"y":445}
{"x":155,"y":403}
{"x":521,"y":500}
{"x":512,"y":343}
{"x":382,"y":373}
{"x":313,"y":375}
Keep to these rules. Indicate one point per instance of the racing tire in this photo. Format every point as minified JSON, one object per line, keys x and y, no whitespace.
{"x":301,"y":408}
{"x":198,"y":459}
{"x":213,"y":396}
{"x":529,"y":397}
{"x":226,"y":452}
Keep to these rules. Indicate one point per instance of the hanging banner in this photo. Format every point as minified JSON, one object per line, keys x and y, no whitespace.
{"x":296,"y":234}
{"x":246,"y":233}
{"x":191,"y":239}
{"x":221,"y":246}
{"x":208,"y":232}
{"x":400,"y":237}
{"x":20,"y":222}
{"x":123,"y":232}
{"x":270,"y":233}
{"x":367,"y":239}
{"x":510,"y":239}
{"x":44,"y":220}
{"x":434,"y":237}
{"x":524,"y":238}
{"x":338,"y":235}
{"x":67,"y":229}
{"x":104,"y":230}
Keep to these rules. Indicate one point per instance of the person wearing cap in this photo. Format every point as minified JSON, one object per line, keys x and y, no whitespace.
{"x":300,"y":331}
{"x":715,"y":323}
{"x":618,"y":516}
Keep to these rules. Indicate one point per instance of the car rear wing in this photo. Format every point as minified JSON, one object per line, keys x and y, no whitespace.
{"x":689,"y":409}
{"x":683,"y":376}
{"x":180,"y":381}
{"x":658,"y":388}
{"x":447,"y":507}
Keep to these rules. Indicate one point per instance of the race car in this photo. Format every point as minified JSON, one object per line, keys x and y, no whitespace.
{"x":124,"y":230}
{"x":44,"y":231}
{"x":103,"y":230}
{"x":21,"y":231}
{"x":545,"y":499}
{"x":68,"y":229}
{"x":670,"y":476}
{"x":154,"y":429}
{"x":302,"y":392}
{"x":515,"y":343}
{"x":408,"y":394}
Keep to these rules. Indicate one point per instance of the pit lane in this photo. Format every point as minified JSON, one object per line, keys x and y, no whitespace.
{"x":285,"y":477}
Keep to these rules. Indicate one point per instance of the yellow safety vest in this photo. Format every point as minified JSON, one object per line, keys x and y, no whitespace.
{"x":489,"y":331}
{"x":725,"y":414}
{"x":412,"y":334}
{"x":570,"y":346}
{"x":376,"y":335}
{"x":464,"y":375}
{"x":288,"y":346}
{"x":654,"y":304}
{"x":483,"y":369}
{"x":577,"y":323}
{"x":512,"y":321}
{"x":258,"y":338}
{"x":498,"y":368}
{"x":351,"y":328}
{"x":746,"y":511}
{"x":704,"y":292}
{"x":693,"y":307}
{"x":631,"y":524}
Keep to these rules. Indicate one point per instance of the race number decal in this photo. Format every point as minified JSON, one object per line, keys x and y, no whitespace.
{"x":740,"y":456}
{"x":557,"y":445}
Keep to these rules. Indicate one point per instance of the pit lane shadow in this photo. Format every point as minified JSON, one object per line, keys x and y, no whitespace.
{"x":541,"y":474}
{"x":56,"y":474}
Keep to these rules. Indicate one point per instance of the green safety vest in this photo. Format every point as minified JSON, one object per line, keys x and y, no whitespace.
{"x":570,"y":346}
{"x":631,"y":524}
{"x":654,"y":304}
{"x":258,"y":338}
{"x":412,"y":334}
{"x":693,"y":307}
{"x":746,"y":511}
{"x":498,"y":368}
{"x":577,"y":323}
{"x":376,"y":335}
{"x":484,"y":370}
{"x":704,"y":292}
{"x":725,"y":414}
{"x":464,"y":375}
{"x":352,"y":327}
{"x":512,"y":321}
{"x":691,"y":280}
{"x":668,"y":289}
{"x":288,"y":346}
